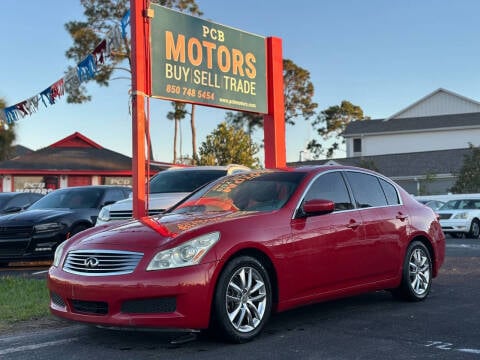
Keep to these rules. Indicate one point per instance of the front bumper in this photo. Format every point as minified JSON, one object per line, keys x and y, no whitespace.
{"x":455,"y":225}
{"x":170,"y":299}
{"x":30,"y":247}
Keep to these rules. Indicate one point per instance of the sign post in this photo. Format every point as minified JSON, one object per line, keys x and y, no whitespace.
{"x":139,"y":28}
{"x":183,"y":58}
{"x":274,"y":121}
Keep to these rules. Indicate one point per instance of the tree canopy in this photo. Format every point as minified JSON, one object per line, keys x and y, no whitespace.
{"x":7,"y":137}
{"x":331,"y":123}
{"x":228,"y":145}
{"x":298,"y":97}
{"x":103,"y":16}
{"x":468,"y":180}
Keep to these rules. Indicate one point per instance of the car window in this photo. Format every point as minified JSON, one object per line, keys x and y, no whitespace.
{"x":331,"y":186}
{"x":21,"y":200}
{"x":255,"y":191}
{"x":467,"y":204}
{"x":73,"y":198}
{"x":34,"y":197}
{"x":390,"y":192}
{"x":183,"y":180}
{"x":113,"y":195}
{"x":366,"y":189}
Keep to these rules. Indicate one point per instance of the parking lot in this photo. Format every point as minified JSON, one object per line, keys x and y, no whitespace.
{"x":371,"y":326}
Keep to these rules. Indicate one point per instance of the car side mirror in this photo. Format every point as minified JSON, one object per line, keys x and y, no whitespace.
{"x":318,"y":207}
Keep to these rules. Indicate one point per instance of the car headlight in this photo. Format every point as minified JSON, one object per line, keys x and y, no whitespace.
{"x":462,"y":215}
{"x":104,"y":214}
{"x":58,"y":254}
{"x":48,"y":227}
{"x":186,"y":254}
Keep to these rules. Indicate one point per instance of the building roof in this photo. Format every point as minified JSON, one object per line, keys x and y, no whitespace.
{"x":439,"y":162}
{"x":74,"y":153}
{"x":412,"y":124}
{"x":439,"y":102}
{"x":19,"y":150}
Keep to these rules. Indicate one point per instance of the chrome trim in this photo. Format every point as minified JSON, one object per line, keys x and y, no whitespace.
{"x":97,"y":262}
{"x":350,"y":192}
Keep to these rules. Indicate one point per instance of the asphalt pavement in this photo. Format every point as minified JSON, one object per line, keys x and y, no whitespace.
{"x":371,"y":326}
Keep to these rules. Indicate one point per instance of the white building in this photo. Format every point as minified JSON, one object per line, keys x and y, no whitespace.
{"x":441,"y":120}
{"x":421,"y":147}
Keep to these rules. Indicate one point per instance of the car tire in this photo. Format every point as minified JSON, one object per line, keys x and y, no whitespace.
{"x":242,"y":300}
{"x":416,"y":274}
{"x":474,"y":229}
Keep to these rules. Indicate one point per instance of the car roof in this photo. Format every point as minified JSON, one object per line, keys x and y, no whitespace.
{"x":95,"y":187}
{"x":208,"y":167}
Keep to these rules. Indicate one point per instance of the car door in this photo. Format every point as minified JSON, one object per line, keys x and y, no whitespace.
{"x":325,"y":250}
{"x":385,"y":222}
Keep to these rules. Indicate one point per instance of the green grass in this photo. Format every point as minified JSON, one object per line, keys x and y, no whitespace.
{"x":22,"y":299}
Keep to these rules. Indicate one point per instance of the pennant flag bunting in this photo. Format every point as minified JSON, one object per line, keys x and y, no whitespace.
{"x":84,"y":71}
{"x":32,"y":104}
{"x":87,"y":68}
{"x":12,"y":114}
{"x":99,"y":52}
{"x":125,"y":22}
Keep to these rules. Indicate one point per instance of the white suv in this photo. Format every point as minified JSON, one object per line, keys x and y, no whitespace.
{"x":461,"y":216}
{"x":167,"y":188}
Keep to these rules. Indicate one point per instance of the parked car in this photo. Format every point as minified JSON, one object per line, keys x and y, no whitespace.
{"x":11,"y":202}
{"x":167,"y":188}
{"x":36,"y":232}
{"x":247,"y":245}
{"x":461,"y":217}
{"x":434,"y":204}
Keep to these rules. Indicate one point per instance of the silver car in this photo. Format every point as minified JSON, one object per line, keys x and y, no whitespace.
{"x":167,"y":188}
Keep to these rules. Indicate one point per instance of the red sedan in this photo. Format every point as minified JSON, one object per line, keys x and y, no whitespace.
{"x":248,"y":245}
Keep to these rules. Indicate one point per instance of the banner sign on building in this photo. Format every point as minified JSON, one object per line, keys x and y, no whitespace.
{"x":197,"y":61}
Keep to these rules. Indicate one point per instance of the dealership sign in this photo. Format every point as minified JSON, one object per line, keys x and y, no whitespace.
{"x":197,"y":61}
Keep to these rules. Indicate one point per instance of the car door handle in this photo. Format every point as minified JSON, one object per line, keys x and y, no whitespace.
{"x":353,"y":224}
{"x":401,"y":217}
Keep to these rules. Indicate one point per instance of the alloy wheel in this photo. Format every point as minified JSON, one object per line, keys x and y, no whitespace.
{"x":419,"y":271}
{"x":246,"y":299}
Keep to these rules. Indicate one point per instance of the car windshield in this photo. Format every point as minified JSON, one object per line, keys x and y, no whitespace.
{"x":174,"y":181}
{"x":4,"y":198}
{"x":79,"y":198}
{"x":253,"y":191}
{"x":470,"y":204}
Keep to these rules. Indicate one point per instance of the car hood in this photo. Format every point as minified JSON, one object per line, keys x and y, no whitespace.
{"x":155,"y":201}
{"x":34,"y":216}
{"x":151,"y":232}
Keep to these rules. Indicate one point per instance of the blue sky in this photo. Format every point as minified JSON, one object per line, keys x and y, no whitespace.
{"x":378,"y":54}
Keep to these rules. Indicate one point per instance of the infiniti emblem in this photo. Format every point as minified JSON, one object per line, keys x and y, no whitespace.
{"x":91,"y":262}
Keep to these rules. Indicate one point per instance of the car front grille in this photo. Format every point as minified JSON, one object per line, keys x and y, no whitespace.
{"x":57,"y":299}
{"x":101,"y":262}
{"x":15,"y":232}
{"x":14,"y":240}
{"x":90,"y":307}
{"x":445,"y":216}
{"x":127,"y":214}
{"x":150,"y":306}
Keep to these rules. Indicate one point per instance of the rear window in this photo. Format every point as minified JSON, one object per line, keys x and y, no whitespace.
{"x":183,"y":180}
